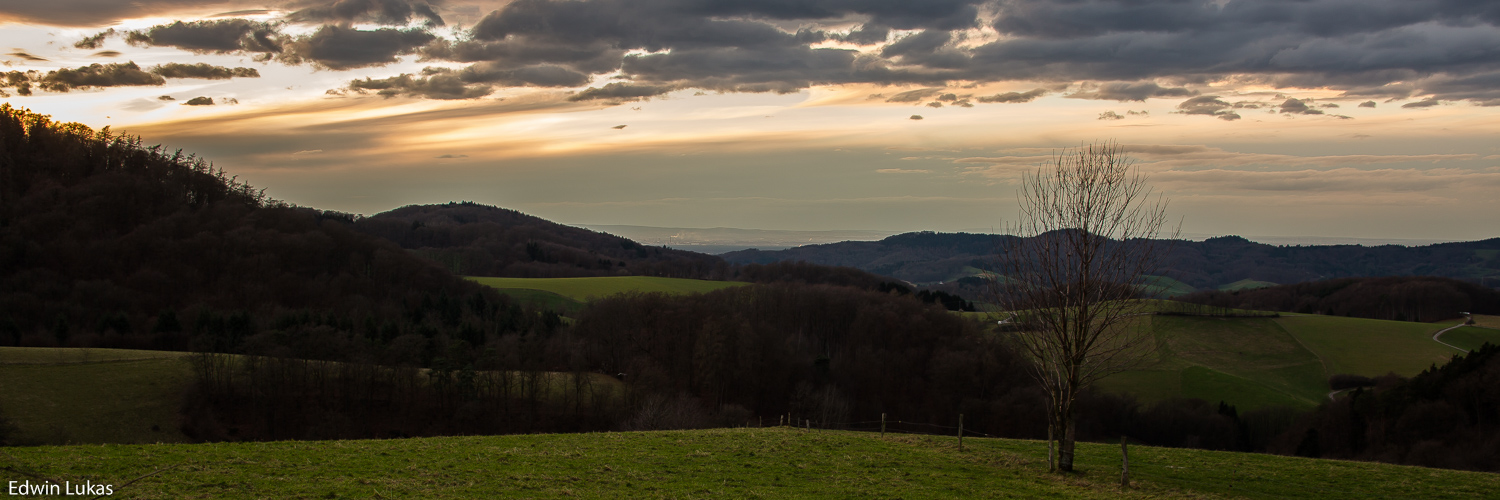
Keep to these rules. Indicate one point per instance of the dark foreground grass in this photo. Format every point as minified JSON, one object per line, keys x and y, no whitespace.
{"x":724,"y":463}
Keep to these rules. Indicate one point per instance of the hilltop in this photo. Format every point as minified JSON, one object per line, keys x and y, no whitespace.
{"x":1224,"y":262}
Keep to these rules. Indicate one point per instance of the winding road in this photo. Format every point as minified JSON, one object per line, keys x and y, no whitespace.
{"x":1445,"y":330}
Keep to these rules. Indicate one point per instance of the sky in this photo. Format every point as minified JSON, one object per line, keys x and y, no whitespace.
{"x":1328,"y":118}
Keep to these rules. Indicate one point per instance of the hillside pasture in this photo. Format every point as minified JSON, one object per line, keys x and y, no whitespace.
{"x":717,"y":463}
{"x":1369,"y":347}
{"x":584,"y":289}
{"x":1246,"y":362}
{"x":1245,"y":284}
{"x":1471,"y":338}
{"x":66,"y":395}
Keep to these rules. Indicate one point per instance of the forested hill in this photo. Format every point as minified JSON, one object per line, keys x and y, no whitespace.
{"x":928,"y":257}
{"x":1399,"y":298}
{"x":109,"y":243}
{"x":479,"y":240}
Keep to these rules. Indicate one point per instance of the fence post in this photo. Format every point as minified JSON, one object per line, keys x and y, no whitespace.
{"x":960,"y":432}
{"x":806,"y":424}
{"x":1051,"y":464}
{"x":1124,"y":464}
{"x":882,"y":425}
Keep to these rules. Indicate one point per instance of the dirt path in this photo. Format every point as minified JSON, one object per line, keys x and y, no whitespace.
{"x":1445,"y":330}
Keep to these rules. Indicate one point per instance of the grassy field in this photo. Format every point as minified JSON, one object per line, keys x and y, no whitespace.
{"x":1166,"y":287}
{"x":1254,"y":362}
{"x":1471,"y":338}
{"x":583,"y":289}
{"x":737,"y":463}
{"x":544,"y":299}
{"x":1246,"y":284}
{"x":1489,"y":321}
{"x":92,"y":395}
{"x":1369,"y":347}
{"x":1247,"y":362}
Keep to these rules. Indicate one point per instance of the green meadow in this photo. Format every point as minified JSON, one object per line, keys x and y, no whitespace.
{"x":1471,"y":338}
{"x":1256,"y":362}
{"x":92,"y":395}
{"x":1245,"y":284}
{"x":583,"y":289}
{"x":716,"y":463}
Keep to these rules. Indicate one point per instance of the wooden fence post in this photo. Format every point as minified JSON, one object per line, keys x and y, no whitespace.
{"x":1124,"y":464}
{"x":960,"y":432}
{"x":882,"y":425}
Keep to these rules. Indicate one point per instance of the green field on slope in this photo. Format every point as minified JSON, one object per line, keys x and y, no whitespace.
{"x":719,"y":463}
{"x":1471,"y":338}
{"x":1255,"y":362}
{"x":583,"y":289}
{"x":1245,"y":284}
{"x":92,"y":395}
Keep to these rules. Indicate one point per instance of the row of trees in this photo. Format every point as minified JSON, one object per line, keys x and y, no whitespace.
{"x":1399,"y":298}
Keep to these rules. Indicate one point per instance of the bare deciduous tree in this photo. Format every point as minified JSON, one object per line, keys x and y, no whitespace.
{"x":1087,"y":240}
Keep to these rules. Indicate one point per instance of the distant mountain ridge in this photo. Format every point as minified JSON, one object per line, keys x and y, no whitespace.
{"x":929,"y":257}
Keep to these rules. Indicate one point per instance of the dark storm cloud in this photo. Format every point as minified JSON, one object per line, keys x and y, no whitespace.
{"x":203,"y":70}
{"x":868,"y":34}
{"x":337,"y":47}
{"x":390,"y":12}
{"x":224,"y":35}
{"x":1130,"y":91}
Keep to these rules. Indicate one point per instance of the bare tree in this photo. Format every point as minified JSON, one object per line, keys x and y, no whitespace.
{"x":1086,"y":242}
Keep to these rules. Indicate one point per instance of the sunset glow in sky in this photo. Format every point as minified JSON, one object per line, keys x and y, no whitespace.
{"x":1349,"y":118}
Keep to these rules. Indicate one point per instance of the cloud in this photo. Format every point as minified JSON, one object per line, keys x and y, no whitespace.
{"x":95,"y":41}
{"x":451,"y":156}
{"x":199,"y":101}
{"x":106,"y":53}
{"x":1298,"y":107}
{"x":620,"y":91}
{"x":1178,"y":165}
{"x":1367,"y":104}
{"x":915,"y":95}
{"x":902,"y":171}
{"x":436,"y":86}
{"x":1352,"y":180}
{"x":337,"y":47}
{"x":308,"y":152}
{"x":1014,"y":97}
{"x":1209,"y":105}
{"x":26,"y":56}
{"x":96,"y":12}
{"x":388,"y":12}
{"x":91,"y":76}
{"x":1130,"y":91}
{"x":1425,"y":103}
{"x":916,"y":117}
{"x":221,"y":36}
{"x":1110,"y":115}
{"x":203,"y":70}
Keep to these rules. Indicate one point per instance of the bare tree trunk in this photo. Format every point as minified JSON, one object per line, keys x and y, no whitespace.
{"x":1065,"y":449}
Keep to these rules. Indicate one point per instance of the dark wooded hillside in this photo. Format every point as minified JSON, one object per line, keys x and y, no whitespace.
{"x":1400,"y":298}
{"x":107,"y":242}
{"x":927,"y":257}
{"x":478,"y":240}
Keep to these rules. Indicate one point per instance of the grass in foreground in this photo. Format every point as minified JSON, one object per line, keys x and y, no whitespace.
{"x":92,"y":395}
{"x":737,"y":463}
{"x":583,"y":289}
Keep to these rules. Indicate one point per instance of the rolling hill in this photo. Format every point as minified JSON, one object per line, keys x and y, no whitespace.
{"x":1228,"y":262}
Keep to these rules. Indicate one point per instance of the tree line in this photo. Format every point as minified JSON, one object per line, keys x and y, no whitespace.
{"x":1399,"y":298}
